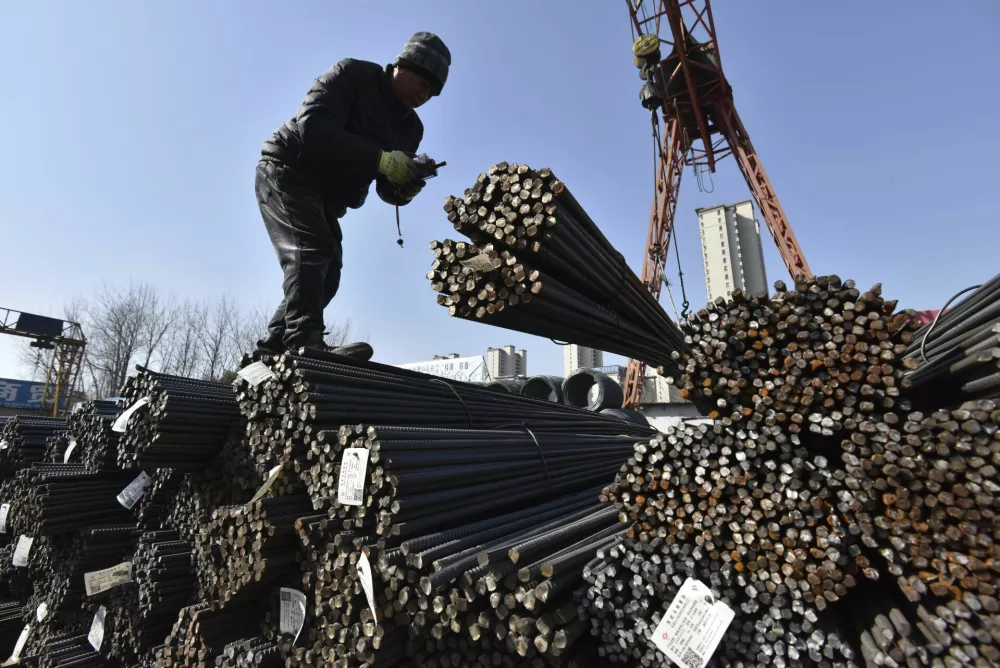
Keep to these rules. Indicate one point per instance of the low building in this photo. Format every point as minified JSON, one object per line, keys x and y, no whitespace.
{"x":468,"y":369}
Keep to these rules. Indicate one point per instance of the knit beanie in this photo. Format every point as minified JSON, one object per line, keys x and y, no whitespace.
{"x":426,"y":55}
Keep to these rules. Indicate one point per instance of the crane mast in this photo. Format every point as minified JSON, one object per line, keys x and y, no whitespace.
{"x":700,"y":126}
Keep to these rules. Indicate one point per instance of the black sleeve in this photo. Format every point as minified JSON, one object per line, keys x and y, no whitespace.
{"x":322,"y":122}
{"x":383,"y":186}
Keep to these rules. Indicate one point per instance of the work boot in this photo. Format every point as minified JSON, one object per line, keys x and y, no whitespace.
{"x":359,"y":351}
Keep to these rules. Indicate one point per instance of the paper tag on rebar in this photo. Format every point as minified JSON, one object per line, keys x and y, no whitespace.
{"x":4,"y":510}
{"x":41,"y":612}
{"x":69,"y":450}
{"x":22,"y":640}
{"x":293,"y":611}
{"x":272,"y":477}
{"x":122,"y":420}
{"x":351,"y":484}
{"x":3,"y":444}
{"x":692,"y":626}
{"x":22,"y":551}
{"x":96,"y":635}
{"x":481,"y":263}
{"x":256,"y":373}
{"x":365,"y":572}
{"x":97,"y":581}
{"x":129,"y":496}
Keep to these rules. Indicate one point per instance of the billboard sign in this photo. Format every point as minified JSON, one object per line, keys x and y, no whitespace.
{"x":20,"y":393}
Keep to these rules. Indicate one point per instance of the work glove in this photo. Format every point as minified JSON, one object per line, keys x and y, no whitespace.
{"x":412,"y":189}
{"x":397,"y":167}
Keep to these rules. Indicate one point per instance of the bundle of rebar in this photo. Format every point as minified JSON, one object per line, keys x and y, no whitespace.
{"x":164,"y":581}
{"x":249,"y":548}
{"x":539,"y":264}
{"x":457,"y":526}
{"x":61,"y":589}
{"x":70,"y":650}
{"x":204,"y":630}
{"x":837,"y":529}
{"x":88,"y":437}
{"x":12,"y":613}
{"x":256,"y":652}
{"x":59,"y":498}
{"x":813,"y":356}
{"x":23,"y":441}
{"x":956,"y":357}
{"x":179,"y":423}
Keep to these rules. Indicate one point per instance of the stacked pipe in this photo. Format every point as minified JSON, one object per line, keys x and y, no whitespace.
{"x":23,"y":440}
{"x":956,"y":357}
{"x":180,"y":423}
{"x":163,"y":582}
{"x":249,"y":548}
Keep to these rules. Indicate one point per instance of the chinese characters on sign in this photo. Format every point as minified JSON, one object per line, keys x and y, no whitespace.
{"x":20,"y":393}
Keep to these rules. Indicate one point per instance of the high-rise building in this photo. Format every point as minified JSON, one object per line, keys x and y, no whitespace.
{"x":506,"y":362}
{"x":580,"y":357}
{"x":731,"y":250}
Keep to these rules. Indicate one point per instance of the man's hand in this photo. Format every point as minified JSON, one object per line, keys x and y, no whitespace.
{"x":398,"y":168}
{"x":412,"y":189}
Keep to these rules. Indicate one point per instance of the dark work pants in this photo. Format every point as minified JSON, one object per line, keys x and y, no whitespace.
{"x":306,"y":236}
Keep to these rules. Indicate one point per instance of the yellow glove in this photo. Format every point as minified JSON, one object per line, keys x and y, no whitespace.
{"x":411,"y":190}
{"x":397,"y":167}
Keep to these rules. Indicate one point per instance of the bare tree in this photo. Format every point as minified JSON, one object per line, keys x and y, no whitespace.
{"x":115,"y":323}
{"x":159,"y":318}
{"x":248,"y":329}
{"x":182,"y":350}
{"x":216,"y":336}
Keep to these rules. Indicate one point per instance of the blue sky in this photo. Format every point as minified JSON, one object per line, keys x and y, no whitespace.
{"x":132,"y":131}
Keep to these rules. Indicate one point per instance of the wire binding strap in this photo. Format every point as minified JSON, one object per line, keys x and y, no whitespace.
{"x":545,"y":465}
{"x":923,"y":339}
{"x":458,"y":396}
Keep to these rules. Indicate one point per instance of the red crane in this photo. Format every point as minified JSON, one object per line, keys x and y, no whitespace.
{"x":700,"y":126}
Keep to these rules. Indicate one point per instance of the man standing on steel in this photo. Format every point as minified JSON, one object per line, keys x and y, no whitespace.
{"x":357,"y":125}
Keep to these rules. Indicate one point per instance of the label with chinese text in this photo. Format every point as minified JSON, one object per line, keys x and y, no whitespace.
{"x":351,"y":485}
{"x":692,"y":626}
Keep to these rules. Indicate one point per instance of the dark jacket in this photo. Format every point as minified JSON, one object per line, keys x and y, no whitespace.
{"x":350,"y":115}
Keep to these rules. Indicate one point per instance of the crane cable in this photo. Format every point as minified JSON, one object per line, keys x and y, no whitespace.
{"x":662,"y":261}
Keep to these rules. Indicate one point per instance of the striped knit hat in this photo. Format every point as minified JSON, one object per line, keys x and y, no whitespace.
{"x":426,"y":55}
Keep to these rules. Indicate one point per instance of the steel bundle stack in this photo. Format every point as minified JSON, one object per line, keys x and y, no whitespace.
{"x":52,"y":499}
{"x":23,"y":440}
{"x":452,"y":469}
{"x":144,"y":611}
{"x":61,"y":586}
{"x":248,"y":548}
{"x":539,"y":264}
{"x":839,"y":528}
{"x":182,"y":424}
{"x":956,"y":358}
{"x":204,"y":630}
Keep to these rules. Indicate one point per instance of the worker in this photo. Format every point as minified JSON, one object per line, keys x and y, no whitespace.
{"x":357,"y":125}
